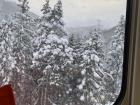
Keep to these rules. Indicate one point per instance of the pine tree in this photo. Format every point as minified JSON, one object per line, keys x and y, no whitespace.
{"x":16,"y":53}
{"x":44,"y":26}
{"x":91,"y":86}
{"x":57,"y":19}
{"x":46,"y":10}
{"x":86,"y":83}
{"x":74,"y":42}
{"x":7,"y":61}
{"x":52,"y":57}
{"x":22,"y":53}
{"x":58,"y":13}
{"x":23,"y":4}
{"x":115,"y":60}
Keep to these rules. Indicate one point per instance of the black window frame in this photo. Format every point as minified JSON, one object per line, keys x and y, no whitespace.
{"x":129,"y":11}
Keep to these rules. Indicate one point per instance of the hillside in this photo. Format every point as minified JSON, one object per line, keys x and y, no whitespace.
{"x":108,"y":34}
{"x":9,"y":8}
{"x":84,"y":31}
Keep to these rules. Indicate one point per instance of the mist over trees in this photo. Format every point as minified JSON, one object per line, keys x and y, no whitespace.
{"x":46,"y":66}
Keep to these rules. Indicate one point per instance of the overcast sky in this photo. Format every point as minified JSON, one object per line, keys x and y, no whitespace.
{"x":86,"y":12}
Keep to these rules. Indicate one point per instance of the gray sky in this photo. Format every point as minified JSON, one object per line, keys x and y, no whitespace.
{"x":86,"y":12}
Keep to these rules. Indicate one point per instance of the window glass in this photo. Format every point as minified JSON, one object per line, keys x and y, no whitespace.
{"x":62,"y":52}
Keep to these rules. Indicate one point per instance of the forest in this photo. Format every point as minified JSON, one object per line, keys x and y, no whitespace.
{"x":47,"y":66}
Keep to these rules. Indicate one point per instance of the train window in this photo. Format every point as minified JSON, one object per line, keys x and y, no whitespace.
{"x":63,"y":52}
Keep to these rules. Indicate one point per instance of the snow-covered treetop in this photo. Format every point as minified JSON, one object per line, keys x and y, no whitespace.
{"x":58,"y":13}
{"x":118,"y":37}
{"x":23,"y":4}
{"x":46,"y":10}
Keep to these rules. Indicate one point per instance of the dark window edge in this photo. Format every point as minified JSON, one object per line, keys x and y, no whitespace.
{"x":126,"y":52}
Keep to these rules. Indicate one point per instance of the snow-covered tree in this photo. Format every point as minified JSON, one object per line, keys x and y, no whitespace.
{"x":57,"y":19}
{"x":114,"y":65}
{"x":23,"y":4}
{"x":50,"y":22}
{"x":86,"y":83}
{"x":22,"y":47}
{"x":58,"y":13}
{"x":21,"y":32}
{"x":92,"y":70}
{"x":7,"y":61}
{"x":45,"y":67}
{"x":74,"y":42}
{"x":46,"y":20}
{"x":52,"y":57}
{"x":44,"y":28}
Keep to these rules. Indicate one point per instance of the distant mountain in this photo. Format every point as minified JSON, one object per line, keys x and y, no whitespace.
{"x":108,"y":34}
{"x":8,"y":8}
{"x":80,"y":32}
{"x":84,"y":32}
{"x":107,"y":37}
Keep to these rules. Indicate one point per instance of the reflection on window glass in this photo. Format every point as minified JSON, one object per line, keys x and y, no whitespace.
{"x":62,"y":52}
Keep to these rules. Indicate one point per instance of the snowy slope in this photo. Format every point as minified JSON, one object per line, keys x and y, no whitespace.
{"x":81,"y":30}
{"x":108,"y":34}
{"x":84,"y":31}
{"x":9,"y":8}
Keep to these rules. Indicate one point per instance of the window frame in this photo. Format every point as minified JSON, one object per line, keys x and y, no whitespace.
{"x":129,"y":94}
{"x":126,"y":53}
